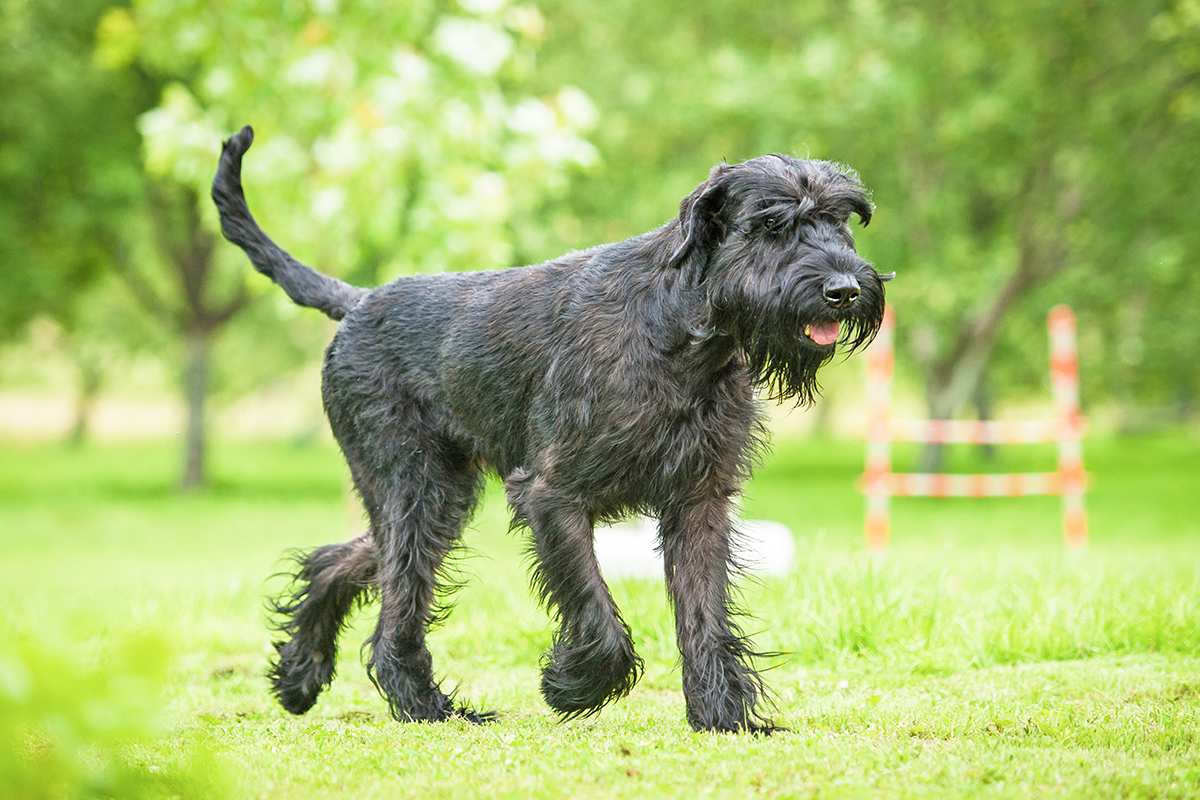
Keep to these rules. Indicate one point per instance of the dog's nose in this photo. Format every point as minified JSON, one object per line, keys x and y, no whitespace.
{"x":841,"y":290}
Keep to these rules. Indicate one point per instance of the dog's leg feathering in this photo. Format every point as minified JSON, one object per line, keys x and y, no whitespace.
{"x":418,"y":503}
{"x":592,"y":660}
{"x":311,"y":613}
{"x":720,"y":685}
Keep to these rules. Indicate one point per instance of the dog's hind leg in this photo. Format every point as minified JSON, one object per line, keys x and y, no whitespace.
{"x":420,"y":496}
{"x":592,"y":660}
{"x":720,"y":686}
{"x":311,"y":613}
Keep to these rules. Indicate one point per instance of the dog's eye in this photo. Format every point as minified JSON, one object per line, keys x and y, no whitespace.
{"x":772,"y":224}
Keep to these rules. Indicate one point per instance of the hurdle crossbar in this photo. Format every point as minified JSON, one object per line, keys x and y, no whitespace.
{"x":880,"y":483}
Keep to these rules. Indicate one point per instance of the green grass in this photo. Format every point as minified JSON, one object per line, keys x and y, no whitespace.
{"x":975,"y":658}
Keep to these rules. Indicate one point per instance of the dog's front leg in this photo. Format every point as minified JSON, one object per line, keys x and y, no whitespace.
{"x":592,"y":660}
{"x":720,"y":685}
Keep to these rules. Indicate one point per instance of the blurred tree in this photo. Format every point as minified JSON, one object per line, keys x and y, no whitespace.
{"x":1137,"y":346}
{"x":1034,"y":143}
{"x":1022,"y":154}
{"x":390,"y":140}
{"x":197,"y":311}
{"x":69,"y":181}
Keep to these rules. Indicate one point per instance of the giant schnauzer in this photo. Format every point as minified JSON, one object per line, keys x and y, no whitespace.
{"x":608,"y":381}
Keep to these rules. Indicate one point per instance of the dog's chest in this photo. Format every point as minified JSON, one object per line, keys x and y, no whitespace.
{"x":644,"y":445}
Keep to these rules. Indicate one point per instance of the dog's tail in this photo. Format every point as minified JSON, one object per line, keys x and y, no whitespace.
{"x":304,"y":285}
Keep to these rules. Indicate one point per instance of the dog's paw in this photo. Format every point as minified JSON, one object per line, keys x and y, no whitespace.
{"x":295,"y":699}
{"x":298,"y":679}
{"x":578,"y":682}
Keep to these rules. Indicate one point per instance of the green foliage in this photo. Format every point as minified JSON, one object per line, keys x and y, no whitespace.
{"x":76,"y":715}
{"x":1042,"y":147}
{"x":68,"y":171}
{"x":391,"y":139}
{"x":1022,"y":154}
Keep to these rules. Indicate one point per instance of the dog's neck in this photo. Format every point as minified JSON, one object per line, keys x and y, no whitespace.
{"x":678,"y":317}
{"x":701,"y":350}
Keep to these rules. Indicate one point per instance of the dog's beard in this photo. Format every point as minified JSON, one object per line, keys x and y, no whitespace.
{"x":769,"y":329}
{"x":782,"y":367}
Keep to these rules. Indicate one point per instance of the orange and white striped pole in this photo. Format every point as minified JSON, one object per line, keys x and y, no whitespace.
{"x":1064,"y":380}
{"x":877,"y":480}
{"x":880,"y":484}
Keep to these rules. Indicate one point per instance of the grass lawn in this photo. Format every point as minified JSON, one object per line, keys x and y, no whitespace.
{"x":977,"y":658}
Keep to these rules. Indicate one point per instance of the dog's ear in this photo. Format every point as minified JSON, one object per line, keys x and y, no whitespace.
{"x":701,"y":221}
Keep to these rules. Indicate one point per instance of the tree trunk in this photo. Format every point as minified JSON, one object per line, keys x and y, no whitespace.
{"x":186,"y":249}
{"x":939,"y":403}
{"x":1040,"y":255}
{"x":195,"y":387}
{"x":956,"y":378}
{"x":983,"y":411}
{"x":90,"y":378}
{"x":1185,"y":402}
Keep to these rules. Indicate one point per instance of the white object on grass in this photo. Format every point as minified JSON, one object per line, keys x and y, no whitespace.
{"x":627,"y":549}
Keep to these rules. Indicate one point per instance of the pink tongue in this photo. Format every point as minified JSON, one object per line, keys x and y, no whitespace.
{"x":824,"y":332}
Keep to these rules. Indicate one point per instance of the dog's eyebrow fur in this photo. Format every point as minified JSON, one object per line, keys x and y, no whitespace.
{"x":789,"y":208}
{"x":778,"y":185}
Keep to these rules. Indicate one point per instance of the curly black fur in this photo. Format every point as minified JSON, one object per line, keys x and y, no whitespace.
{"x":329,"y":581}
{"x":591,"y":661}
{"x":607,"y":381}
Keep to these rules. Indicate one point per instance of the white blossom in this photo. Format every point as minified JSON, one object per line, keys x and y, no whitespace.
{"x":411,"y":66}
{"x":341,"y":153}
{"x":577,"y":108}
{"x":562,"y":147}
{"x":532,"y":117}
{"x":278,"y":157}
{"x":477,"y":46}
{"x":459,"y":120}
{"x":218,"y":82}
{"x":476,"y":197}
{"x":328,"y":202}
{"x":527,"y":21}
{"x":178,"y":138}
{"x":391,"y":138}
{"x":321,"y":67}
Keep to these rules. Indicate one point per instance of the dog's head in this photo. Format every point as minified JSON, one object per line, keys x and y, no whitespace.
{"x":768,"y":241}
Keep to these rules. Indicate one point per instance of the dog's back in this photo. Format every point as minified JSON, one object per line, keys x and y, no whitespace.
{"x":472,"y":350}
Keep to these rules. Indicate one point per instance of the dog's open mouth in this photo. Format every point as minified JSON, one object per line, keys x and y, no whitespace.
{"x":823,"y":333}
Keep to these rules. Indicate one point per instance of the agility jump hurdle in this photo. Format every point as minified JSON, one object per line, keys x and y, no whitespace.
{"x":880,"y":484}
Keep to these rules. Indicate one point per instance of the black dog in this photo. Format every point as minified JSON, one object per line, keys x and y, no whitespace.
{"x":614,"y":380}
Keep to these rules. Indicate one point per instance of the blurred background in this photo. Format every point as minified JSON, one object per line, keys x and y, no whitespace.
{"x":1019,"y":156}
{"x":160,"y":425}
